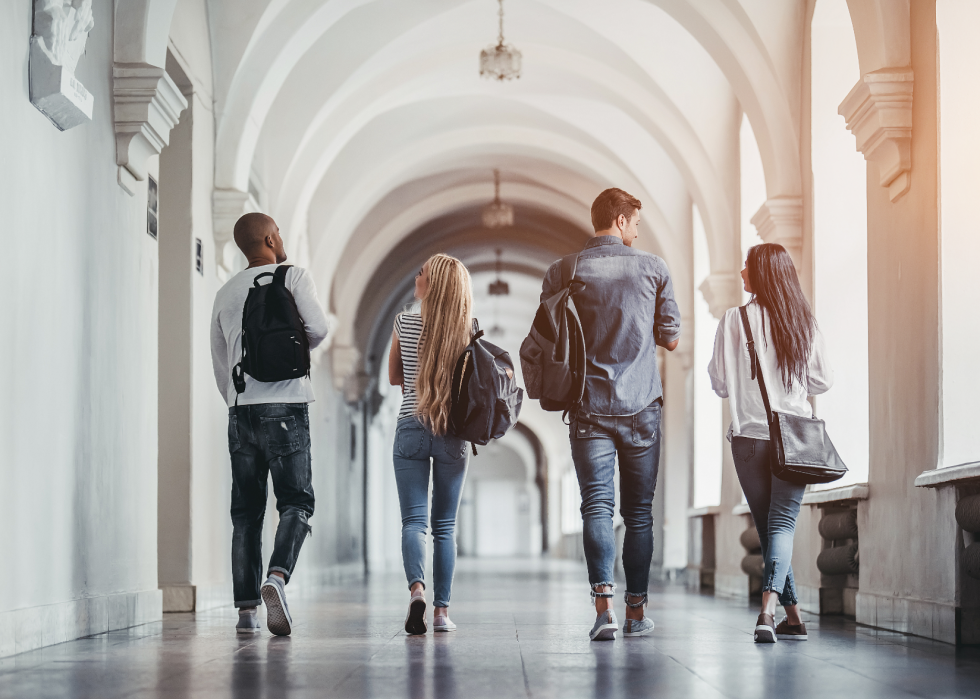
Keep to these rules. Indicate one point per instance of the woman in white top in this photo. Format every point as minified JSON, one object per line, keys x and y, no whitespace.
{"x":424,"y":350}
{"x":791,"y":358}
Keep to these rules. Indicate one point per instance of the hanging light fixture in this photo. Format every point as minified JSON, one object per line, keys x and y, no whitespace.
{"x":499,"y":287}
{"x":497,"y":214}
{"x":503,"y":61}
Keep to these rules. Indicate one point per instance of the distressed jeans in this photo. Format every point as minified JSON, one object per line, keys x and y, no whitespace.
{"x":414,"y":447}
{"x":596,"y":442}
{"x":269,"y":438}
{"x":775,"y":505}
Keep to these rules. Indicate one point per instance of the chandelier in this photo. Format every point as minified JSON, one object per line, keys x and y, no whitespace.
{"x":498,"y":287}
{"x":503,"y":61}
{"x":497,"y":214}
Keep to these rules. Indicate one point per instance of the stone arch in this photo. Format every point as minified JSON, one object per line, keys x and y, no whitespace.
{"x":881,"y":29}
{"x":141,"y":29}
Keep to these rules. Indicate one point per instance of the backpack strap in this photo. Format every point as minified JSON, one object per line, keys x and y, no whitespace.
{"x":569,"y":264}
{"x":280,"y":276}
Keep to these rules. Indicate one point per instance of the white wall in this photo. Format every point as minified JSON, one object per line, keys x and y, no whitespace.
{"x":78,"y":482}
{"x":840,"y":239}
{"x":959,"y":56}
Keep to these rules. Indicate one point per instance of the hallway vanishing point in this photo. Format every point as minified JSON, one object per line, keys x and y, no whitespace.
{"x":523,"y":632}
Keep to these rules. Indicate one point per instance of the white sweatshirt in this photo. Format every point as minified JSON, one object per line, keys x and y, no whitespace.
{"x":731,"y":375}
{"x":226,"y":336}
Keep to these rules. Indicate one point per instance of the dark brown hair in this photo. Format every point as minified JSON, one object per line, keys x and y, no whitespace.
{"x":608,"y":206}
{"x":776,"y":288}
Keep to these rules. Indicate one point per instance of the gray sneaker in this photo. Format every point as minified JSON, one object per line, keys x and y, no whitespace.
{"x":634,"y":627}
{"x":248,"y":621}
{"x":277,"y":614}
{"x":605,"y":627}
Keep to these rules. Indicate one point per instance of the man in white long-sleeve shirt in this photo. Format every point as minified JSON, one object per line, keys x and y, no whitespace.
{"x":268,"y":431}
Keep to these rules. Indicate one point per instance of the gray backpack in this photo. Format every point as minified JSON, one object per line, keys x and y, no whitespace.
{"x":553,"y":353}
{"x":485,"y":398}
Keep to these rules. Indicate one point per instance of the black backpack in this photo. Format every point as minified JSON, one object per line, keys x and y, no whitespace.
{"x":553,"y":353}
{"x":485,"y":401}
{"x":274,"y":342}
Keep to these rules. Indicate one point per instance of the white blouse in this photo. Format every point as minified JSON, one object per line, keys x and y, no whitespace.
{"x":731,"y":375}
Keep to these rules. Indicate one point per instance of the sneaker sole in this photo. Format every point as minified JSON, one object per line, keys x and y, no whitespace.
{"x":791,"y":637}
{"x":415,"y":621}
{"x":634,"y":634}
{"x":764,"y":634}
{"x":249,"y":631}
{"x":443,"y":629}
{"x":605,"y":633}
{"x":276,"y":616}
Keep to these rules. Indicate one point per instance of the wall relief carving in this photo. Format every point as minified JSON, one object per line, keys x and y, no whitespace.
{"x":61,"y":28}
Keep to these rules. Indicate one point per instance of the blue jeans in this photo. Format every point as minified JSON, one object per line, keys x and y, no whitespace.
{"x":268,"y":438}
{"x":414,"y":447}
{"x":596,"y":441}
{"x":775,"y":505}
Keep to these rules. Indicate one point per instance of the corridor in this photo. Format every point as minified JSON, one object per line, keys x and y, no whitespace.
{"x":523,"y":629}
{"x":136,"y":134}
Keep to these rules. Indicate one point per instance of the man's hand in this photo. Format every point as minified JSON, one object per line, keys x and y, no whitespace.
{"x":671,"y":346}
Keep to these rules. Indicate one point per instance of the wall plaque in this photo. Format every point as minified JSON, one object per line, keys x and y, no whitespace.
{"x":61,"y":28}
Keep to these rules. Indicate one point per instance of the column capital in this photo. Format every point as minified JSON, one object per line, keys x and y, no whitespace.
{"x":146,"y":105}
{"x":722,"y":290}
{"x":878,"y":111}
{"x":780,"y":220}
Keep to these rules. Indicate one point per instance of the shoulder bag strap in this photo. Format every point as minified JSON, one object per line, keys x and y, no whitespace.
{"x":754,"y":360}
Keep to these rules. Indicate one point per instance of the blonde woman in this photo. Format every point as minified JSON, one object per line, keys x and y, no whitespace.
{"x":424,"y":350}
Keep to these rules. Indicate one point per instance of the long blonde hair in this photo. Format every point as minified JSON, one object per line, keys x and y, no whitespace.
{"x":447,"y":324}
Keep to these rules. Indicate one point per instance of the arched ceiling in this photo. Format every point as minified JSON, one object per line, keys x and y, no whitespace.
{"x":367,"y":127}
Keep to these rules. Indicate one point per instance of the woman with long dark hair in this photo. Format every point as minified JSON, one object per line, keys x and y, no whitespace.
{"x":790,"y":352}
{"x":424,"y":350}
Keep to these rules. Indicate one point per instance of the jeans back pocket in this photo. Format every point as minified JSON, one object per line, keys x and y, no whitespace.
{"x":283,"y":435}
{"x":409,"y":437}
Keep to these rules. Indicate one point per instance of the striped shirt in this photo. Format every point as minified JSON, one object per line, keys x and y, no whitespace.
{"x":408,"y":327}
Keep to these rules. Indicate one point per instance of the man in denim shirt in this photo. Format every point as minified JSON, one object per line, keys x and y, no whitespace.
{"x":627,"y":308}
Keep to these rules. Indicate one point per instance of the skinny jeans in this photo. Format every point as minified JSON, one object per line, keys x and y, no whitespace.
{"x":417,"y":451}
{"x":775,"y":505}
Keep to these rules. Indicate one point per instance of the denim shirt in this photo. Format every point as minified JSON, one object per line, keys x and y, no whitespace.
{"x":627,"y":308}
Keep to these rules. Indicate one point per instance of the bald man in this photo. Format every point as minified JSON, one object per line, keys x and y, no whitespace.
{"x":268,"y":432}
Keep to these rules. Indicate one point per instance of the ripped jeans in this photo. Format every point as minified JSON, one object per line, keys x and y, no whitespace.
{"x":268,"y":438}
{"x":775,"y":505}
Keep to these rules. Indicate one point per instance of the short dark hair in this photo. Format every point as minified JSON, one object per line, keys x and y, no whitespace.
{"x":608,"y":206}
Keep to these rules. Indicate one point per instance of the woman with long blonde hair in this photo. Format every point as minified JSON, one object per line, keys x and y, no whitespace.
{"x":424,"y":350}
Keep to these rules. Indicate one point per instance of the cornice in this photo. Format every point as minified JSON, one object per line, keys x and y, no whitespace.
{"x":146,"y":106}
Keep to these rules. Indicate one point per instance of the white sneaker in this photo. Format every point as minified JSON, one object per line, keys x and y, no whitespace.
{"x":415,"y":620}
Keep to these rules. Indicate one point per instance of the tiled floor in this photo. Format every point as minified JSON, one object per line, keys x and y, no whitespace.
{"x":523,"y":632}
